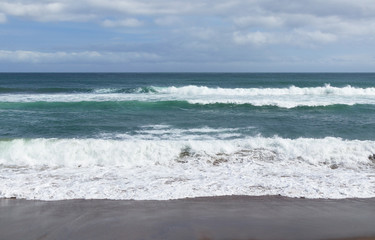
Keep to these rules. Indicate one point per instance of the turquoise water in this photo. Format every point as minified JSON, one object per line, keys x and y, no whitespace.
{"x":86,"y":118}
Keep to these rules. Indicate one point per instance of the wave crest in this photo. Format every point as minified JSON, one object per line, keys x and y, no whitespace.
{"x":327,"y":89}
{"x":132,"y":152}
{"x":281,"y":97}
{"x":136,"y":169}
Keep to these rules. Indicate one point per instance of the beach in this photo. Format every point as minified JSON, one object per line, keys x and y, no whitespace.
{"x":229,"y":217}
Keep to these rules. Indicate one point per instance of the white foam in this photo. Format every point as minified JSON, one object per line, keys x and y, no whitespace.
{"x":52,"y":169}
{"x":166,"y":132}
{"x":157,"y":126}
{"x":105,"y":90}
{"x":283,"y":97}
{"x":292,"y":90}
{"x":156,"y":132}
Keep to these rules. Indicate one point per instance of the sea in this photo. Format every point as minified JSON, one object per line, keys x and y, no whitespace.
{"x":160,"y":136}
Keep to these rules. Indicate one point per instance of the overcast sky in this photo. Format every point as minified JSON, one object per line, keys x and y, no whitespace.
{"x":187,"y":35}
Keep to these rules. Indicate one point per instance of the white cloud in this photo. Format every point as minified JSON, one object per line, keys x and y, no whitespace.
{"x":183,"y":30}
{"x":337,"y":16}
{"x":264,"y":21}
{"x":129,"y":22}
{"x":36,"y":57}
{"x":145,"y":7}
{"x":296,"y":38}
{"x":255,"y":38}
{"x":87,"y":10}
{"x":3,"y":18}
{"x":315,"y":36}
{"x":48,"y":11}
{"x":23,"y":56}
{"x":352,"y":58}
{"x":333,"y":24}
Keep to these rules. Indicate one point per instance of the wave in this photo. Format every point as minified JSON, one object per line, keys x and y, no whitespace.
{"x":125,"y":90}
{"x":327,"y":89}
{"x":281,"y":97}
{"x":167,"y":169}
{"x":67,"y":90}
{"x":44,"y":90}
{"x":165,"y":132}
{"x":184,"y":105}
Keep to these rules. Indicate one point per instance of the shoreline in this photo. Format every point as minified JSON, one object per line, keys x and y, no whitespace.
{"x":203,"y":218}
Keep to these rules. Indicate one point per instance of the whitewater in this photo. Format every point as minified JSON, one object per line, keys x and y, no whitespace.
{"x":282,"y":97}
{"x":171,"y":136}
{"x":55,"y":169}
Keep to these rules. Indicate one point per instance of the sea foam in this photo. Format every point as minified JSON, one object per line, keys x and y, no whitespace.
{"x":53,"y":169}
{"x":327,"y":89}
{"x":282,"y":97}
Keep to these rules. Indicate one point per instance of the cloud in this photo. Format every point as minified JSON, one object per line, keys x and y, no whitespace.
{"x":23,"y":56}
{"x":295,"y":38}
{"x":315,"y":36}
{"x":349,"y":59}
{"x":184,"y":31}
{"x":3,"y":18}
{"x":342,"y":18}
{"x":44,"y":12}
{"x":255,"y":38}
{"x":264,"y":21}
{"x":129,"y":22}
{"x":337,"y":16}
{"x":92,"y":10}
{"x":36,"y":57}
{"x":144,"y":7}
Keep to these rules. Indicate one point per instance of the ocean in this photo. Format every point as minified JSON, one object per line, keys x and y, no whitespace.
{"x":159,"y":136}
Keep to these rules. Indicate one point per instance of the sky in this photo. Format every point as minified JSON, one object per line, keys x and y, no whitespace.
{"x":187,"y":36}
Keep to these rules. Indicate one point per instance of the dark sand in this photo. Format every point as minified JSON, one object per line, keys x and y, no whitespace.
{"x":199,"y":218}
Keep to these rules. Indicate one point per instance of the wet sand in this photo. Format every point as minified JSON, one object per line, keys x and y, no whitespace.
{"x":232,"y":217}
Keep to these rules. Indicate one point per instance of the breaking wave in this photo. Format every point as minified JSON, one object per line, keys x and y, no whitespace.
{"x":281,"y":97}
{"x":52,"y":169}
